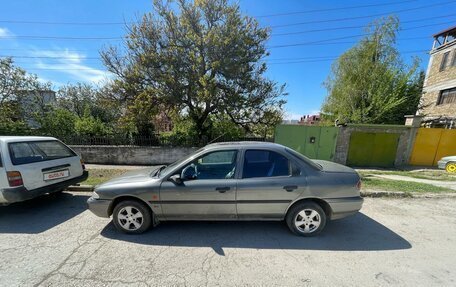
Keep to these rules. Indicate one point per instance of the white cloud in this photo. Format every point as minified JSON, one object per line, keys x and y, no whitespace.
{"x":4,"y":32}
{"x":68,"y":62}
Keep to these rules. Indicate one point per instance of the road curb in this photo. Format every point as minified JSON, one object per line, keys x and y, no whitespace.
{"x":80,"y":188}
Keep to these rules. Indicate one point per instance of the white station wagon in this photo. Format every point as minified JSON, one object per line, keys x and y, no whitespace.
{"x":33,"y":166}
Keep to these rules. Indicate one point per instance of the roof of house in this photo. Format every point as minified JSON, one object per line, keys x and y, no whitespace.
{"x":444,"y":31}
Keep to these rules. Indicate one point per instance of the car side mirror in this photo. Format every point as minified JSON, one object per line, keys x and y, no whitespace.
{"x":176,"y":178}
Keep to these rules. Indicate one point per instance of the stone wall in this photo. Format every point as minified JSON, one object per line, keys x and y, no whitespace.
{"x":131,"y":155}
{"x":404,"y":148}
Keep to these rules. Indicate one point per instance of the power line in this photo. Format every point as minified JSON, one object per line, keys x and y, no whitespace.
{"x":119,"y":38}
{"x":261,"y":16}
{"x":362,"y":17}
{"x":323,"y":42}
{"x":74,"y":23}
{"x":30,"y":37}
{"x":330,"y":59}
{"x":363,"y":26}
{"x":309,"y":59}
{"x":326,"y":57}
{"x":334,"y":9}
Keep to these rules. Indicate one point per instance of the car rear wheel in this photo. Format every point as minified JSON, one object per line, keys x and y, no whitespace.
{"x":306,"y":219}
{"x":451,"y":167}
{"x":132,"y":217}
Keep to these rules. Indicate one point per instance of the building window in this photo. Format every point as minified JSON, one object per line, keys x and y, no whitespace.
{"x":447,"y":97}
{"x":444,"y":62}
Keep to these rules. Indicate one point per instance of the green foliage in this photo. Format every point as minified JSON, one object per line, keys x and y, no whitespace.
{"x":58,"y":122}
{"x":370,"y":83}
{"x":79,"y":97}
{"x":201,"y":60}
{"x":88,"y":125}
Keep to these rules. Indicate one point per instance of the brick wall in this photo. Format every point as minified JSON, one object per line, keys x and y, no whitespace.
{"x":437,"y":81}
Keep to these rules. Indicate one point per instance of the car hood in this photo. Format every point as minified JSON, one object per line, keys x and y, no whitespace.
{"x":329,"y":166}
{"x":134,"y":176}
{"x":448,"y":158}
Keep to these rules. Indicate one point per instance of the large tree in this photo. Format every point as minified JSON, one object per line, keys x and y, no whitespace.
{"x":17,"y":88}
{"x":370,"y":83}
{"x":202,"y":59}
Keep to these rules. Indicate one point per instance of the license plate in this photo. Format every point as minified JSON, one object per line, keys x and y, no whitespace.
{"x":56,"y":174}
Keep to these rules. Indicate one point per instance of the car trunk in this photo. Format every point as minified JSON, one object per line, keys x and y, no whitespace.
{"x":43,"y":163}
{"x":329,"y":166}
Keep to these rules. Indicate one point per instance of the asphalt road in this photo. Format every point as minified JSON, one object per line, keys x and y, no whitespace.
{"x":55,"y":241}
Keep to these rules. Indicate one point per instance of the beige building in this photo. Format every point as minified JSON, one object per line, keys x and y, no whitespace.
{"x":439,"y":91}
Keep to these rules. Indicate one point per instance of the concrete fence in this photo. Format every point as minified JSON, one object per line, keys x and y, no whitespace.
{"x":131,"y":155}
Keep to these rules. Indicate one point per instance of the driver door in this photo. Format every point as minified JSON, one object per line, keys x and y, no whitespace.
{"x":207,"y":191}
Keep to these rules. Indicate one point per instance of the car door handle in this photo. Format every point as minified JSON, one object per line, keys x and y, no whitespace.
{"x":290,"y":188}
{"x":222,"y":189}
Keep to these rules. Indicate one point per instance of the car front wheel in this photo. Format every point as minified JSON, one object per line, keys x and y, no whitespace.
{"x":306,"y":219}
{"x":132,"y":217}
{"x":451,"y":167}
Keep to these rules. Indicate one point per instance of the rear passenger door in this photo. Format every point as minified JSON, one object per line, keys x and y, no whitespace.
{"x":43,"y":163}
{"x":269,"y":182}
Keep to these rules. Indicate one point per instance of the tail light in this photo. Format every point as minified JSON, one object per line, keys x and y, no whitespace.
{"x":83,"y":165}
{"x":14,"y":178}
{"x":358,"y":185}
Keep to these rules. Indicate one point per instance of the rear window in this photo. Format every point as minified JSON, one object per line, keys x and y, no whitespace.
{"x":36,"y":151}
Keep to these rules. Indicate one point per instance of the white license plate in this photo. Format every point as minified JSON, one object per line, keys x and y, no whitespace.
{"x":56,"y":174}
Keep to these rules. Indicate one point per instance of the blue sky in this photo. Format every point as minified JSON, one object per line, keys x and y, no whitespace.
{"x":303,"y":67}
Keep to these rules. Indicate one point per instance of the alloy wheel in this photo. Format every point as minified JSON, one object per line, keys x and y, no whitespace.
{"x":307,"y":221}
{"x":130,"y":218}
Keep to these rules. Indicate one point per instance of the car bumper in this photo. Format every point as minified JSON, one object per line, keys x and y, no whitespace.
{"x":99,"y":207}
{"x":20,"y":193}
{"x":342,"y":207}
{"x":441,"y":164}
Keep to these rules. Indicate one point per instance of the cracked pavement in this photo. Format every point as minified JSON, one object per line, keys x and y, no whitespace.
{"x":55,"y":241}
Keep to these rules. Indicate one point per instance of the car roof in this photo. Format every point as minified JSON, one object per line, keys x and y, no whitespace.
{"x":23,"y":138}
{"x":244,"y":144}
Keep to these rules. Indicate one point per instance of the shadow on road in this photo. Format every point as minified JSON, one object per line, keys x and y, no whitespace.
{"x":42,"y":213}
{"x":356,"y":233}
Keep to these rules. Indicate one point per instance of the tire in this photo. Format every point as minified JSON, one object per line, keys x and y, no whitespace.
{"x":451,"y":167}
{"x":132,"y":217}
{"x":306,"y":219}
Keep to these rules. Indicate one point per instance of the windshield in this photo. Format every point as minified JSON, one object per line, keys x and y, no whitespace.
{"x":170,"y":167}
{"x":304,"y":158}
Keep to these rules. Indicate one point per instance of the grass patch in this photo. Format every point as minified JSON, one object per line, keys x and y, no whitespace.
{"x":98,"y":176}
{"x":422,"y":174}
{"x":400,"y":185}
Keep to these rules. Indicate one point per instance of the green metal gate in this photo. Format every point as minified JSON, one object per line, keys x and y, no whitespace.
{"x":312,"y":141}
{"x":372,"y":149}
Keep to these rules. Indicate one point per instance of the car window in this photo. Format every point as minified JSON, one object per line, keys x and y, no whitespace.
{"x":303,"y":158}
{"x":36,"y":151}
{"x":168,"y":168}
{"x":264,"y":163}
{"x":212,"y":165}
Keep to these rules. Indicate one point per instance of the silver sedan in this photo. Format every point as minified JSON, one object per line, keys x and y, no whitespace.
{"x":233,"y":181}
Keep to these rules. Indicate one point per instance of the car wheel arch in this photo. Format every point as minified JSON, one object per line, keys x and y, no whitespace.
{"x":121,"y":198}
{"x":322,"y":203}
